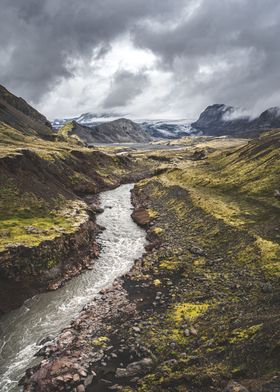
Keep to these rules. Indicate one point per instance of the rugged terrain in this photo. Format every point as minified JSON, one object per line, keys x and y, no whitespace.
{"x":200,"y":311}
{"x":47,"y":214}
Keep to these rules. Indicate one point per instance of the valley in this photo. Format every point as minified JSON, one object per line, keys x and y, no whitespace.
{"x":145,"y":266}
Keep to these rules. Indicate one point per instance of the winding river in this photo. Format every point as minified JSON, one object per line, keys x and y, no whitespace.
{"x":46,"y":314}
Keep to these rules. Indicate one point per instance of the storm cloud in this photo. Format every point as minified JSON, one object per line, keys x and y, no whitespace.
{"x":171,"y":57}
{"x":124,"y":87}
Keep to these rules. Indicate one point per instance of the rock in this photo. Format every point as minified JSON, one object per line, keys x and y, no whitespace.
{"x":82,"y":373}
{"x":187,"y":332}
{"x":89,"y":379}
{"x":198,"y":155}
{"x":76,"y":377}
{"x":136,"y":329}
{"x":193,"y":331}
{"x":67,"y":377}
{"x":81,"y":388}
{"x":197,"y":251}
{"x":135,"y":369}
{"x":277,"y":194}
{"x":267,"y":288}
{"x":141,"y":217}
{"x":115,"y":387}
{"x":235,"y":387}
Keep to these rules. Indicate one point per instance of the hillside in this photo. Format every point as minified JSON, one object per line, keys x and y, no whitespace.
{"x":17,"y":113}
{"x":47,"y":230}
{"x":75,"y":131}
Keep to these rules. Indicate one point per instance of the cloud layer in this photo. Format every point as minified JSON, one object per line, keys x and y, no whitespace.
{"x":165,"y":57}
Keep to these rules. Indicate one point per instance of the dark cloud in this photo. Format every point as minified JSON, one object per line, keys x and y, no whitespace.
{"x":216,"y":51}
{"x":38,"y":38}
{"x":224,"y":51}
{"x":124,"y":88}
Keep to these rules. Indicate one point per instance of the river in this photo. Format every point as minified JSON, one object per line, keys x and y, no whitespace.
{"x":46,"y":314}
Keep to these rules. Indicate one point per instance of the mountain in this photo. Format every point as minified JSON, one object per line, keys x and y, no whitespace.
{"x":17,"y":113}
{"x":158,"y":129}
{"x":117,"y":131}
{"x":220,"y":119}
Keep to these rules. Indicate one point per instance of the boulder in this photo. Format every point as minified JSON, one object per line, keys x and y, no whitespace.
{"x":135,"y":369}
{"x":235,"y":387}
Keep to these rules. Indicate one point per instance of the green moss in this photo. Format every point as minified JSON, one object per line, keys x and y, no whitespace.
{"x":100,"y":342}
{"x":152,"y":213}
{"x":157,"y":230}
{"x":51,"y":263}
{"x":171,"y":264}
{"x":239,"y":335}
{"x":187,"y":311}
{"x":28,"y":219}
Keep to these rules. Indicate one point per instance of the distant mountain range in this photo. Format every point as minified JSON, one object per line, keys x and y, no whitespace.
{"x":220,"y":119}
{"x":215,"y":120}
{"x":156,"y":129}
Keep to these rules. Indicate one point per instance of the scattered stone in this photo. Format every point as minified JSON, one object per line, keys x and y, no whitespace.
{"x":81,"y":388}
{"x":135,"y":369}
{"x":193,"y":331}
{"x":277,"y":194}
{"x":267,"y":288}
{"x":83,"y":373}
{"x":235,"y":387}
{"x":89,"y":379}
{"x":197,"y":251}
{"x":76,"y":377}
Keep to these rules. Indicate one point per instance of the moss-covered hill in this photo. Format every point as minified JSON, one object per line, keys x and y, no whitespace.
{"x":216,"y":275}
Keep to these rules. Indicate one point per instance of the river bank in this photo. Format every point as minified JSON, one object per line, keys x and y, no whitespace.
{"x":46,"y":314}
{"x":48,"y":229}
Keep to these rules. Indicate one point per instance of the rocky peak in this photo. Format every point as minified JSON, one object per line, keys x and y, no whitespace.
{"x":220,"y":119}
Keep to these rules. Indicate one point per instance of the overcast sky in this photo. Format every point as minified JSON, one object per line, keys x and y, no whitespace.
{"x":141,"y":58}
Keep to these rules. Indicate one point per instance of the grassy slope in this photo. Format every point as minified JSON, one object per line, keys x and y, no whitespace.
{"x":225,"y":296}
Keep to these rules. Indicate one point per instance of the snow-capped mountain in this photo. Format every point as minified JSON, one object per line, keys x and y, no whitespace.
{"x":163,"y":129}
{"x":88,"y":119}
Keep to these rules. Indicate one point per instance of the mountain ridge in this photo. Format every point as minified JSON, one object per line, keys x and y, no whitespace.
{"x":221,"y":119}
